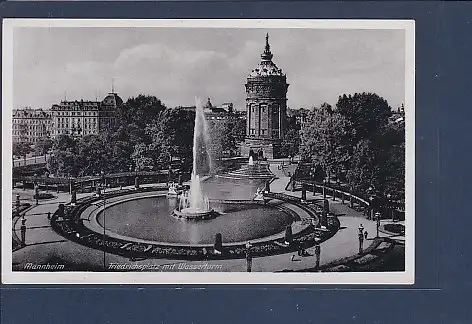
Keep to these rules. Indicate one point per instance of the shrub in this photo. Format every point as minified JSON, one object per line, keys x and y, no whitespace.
{"x":395,"y":228}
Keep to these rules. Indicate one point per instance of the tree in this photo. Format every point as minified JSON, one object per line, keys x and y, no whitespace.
{"x":367,"y":113}
{"x":64,"y":158}
{"x":324,"y":140}
{"x":43,"y":146}
{"x":21,"y":149}
{"x":291,"y":143}
{"x":171,"y":135}
{"x":142,"y":156}
{"x":94,"y":155}
{"x":239,"y":129}
{"x":134,"y":116}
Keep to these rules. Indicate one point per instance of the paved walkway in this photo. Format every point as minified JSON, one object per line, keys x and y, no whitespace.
{"x":45,"y":246}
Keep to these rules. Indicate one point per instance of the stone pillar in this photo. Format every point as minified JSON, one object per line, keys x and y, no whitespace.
{"x":60,"y":211}
{"x":218,"y":243}
{"x":303,"y":192}
{"x":248,"y":257}
{"x":288,"y":235}
{"x":23,"y":232}
{"x":361,"y":243}
{"x":73,"y":197}
{"x":136,"y":182}
{"x":324,"y":215}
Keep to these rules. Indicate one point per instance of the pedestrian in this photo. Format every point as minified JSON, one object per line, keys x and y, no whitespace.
{"x":365,"y":235}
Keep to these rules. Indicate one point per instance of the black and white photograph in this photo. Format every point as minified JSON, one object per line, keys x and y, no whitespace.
{"x":208,"y":151}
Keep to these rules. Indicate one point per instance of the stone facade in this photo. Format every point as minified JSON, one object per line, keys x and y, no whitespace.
{"x":266,"y":108}
{"x":30,"y":125}
{"x":81,"y":118}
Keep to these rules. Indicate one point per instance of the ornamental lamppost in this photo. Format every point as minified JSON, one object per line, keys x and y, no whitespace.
{"x":389,"y":206}
{"x":377,"y":218}
{"x":103,"y":184}
{"x":313,"y":176}
{"x":36,"y":188}
{"x":324,"y":188}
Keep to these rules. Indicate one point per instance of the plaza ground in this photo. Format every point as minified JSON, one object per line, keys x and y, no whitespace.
{"x":44,"y":246}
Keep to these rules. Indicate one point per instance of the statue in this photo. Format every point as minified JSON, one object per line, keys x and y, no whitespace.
{"x":259,"y":195}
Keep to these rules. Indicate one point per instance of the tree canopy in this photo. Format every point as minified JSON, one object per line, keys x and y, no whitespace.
{"x":356,"y":141}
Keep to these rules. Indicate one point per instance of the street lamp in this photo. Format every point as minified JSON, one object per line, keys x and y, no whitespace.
{"x":377,"y":218}
{"x":36,"y":188}
{"x":324,"y":188}
{"x":102,"y":174}
{"x":389,"y":206}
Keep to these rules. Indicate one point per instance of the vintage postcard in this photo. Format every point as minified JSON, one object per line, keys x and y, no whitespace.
{"x":208,"y":151}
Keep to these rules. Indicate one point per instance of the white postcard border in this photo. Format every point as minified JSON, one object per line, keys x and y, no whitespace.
{"x":177,"y":278}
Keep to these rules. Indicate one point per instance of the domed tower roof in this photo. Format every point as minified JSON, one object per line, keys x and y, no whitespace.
{"x":266,"y":67}
{"x":112,"y":99}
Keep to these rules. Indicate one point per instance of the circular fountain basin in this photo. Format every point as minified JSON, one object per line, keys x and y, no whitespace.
{"x":149,"y":219}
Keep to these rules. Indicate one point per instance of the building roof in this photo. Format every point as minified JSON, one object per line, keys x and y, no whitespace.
{"x":112,"y":99}
{"x":31,"y":113}
{"x":266,"y":67}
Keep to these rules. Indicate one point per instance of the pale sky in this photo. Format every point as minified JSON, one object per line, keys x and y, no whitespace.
{"x":177,"y":64}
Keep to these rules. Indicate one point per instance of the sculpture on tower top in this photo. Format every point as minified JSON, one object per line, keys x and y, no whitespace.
{"x":267,"y":55}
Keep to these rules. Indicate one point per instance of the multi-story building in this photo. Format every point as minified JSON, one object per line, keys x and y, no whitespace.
{"x":30,"y":125}
{"x":266,"y":107}
{"x":81,"y":118}
{"x":211,"y":112}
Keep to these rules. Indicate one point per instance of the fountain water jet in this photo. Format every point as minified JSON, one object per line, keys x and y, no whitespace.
{"x":194,"y":204}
